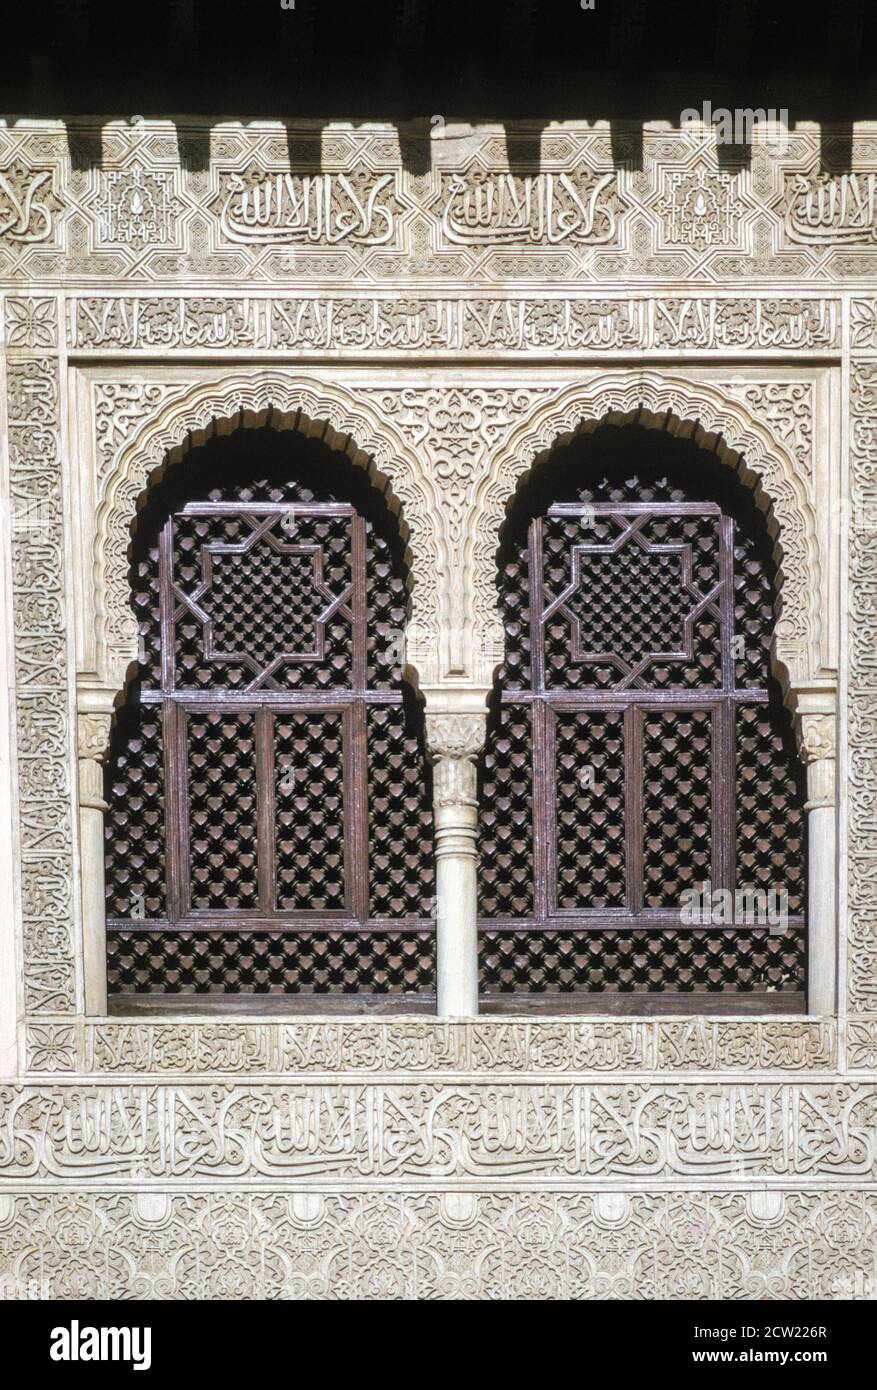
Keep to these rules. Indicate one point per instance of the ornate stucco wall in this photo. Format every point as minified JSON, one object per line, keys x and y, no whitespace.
{"x":445,"y":329}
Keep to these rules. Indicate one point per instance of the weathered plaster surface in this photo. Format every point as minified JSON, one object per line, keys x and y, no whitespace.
{"x":445,"y":330}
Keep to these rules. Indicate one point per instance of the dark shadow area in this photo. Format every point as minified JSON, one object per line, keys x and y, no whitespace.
{"x":524,"y":147}
{"x":194,"y":146}
{"x":407,"y":59}
{"x":305,"y":152}
{"x":84,"y":146}
{"x":270,"y":462}
{"x":626,"y":138}
{"x":732,"y":158}
{"x":836,"y":148}
{"x":414,"y":145}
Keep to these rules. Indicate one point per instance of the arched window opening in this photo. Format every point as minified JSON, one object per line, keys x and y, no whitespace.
{"x":269,"y":828}
{"x":642,"y":801}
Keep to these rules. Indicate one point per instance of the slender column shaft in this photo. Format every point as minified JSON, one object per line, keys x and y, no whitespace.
{"x":93,"y":732}
{"x":817,"y":740}
{"x":454,"y":741}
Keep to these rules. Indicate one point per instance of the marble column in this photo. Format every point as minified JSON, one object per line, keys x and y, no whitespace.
{"x":93,"y":733}
{"x":816,"y":738}
{"x":454,"y":742}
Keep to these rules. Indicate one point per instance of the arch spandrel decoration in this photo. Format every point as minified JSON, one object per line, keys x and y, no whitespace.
{"x":343,"y":419}
{"x":703,"y":413}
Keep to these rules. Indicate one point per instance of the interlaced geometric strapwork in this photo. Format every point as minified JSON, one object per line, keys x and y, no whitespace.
{"x":651,"y":782}
{"x":623,"y":589}
{"x":221,"y":779}
{"x":269,"y":792}
{"x":589,"y":757}
{"x":263,"y":602}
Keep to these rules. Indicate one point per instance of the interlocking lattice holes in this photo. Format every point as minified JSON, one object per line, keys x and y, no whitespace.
{"x":637,"y":746}
{"x":269,"y":826}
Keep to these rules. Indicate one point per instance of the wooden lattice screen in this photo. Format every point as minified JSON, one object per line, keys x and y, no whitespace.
{"x":269,"y":826}
{"x":638,"y":748}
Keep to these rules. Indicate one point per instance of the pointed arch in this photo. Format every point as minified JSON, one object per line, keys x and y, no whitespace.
{"x":185,"y":419}
{"x":706,"y":414}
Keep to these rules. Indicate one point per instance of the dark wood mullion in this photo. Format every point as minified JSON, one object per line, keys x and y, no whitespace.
{"x":279,"y":924}
{"x":356,"y":808}
{"x":548,"y":740}
{"x":613,"y":699}
{"x":175,"y":772}
{"x":264,"y":509}
{"x":723,"y":752}
{"x":726,"y":603}
{"x":356,"y":867}
{"x":634,"y":830}
{"x":167,"y":604}
{"x":648,"y":509}
{"x":266,"y":811}
{"x":274,"y":697}
{"x":537,"y":638}
{"x":177,"y":809}
{"x":543,"y":806}
{"x":622,"y":1003}
{"x":659,"y":919}
{"x":724,"y":793}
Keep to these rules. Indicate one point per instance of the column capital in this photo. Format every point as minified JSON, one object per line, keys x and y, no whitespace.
{"x":817,"y":743}
{"x":455,"y":734}
{"x":817,"y":737}
{"x":92,"y":746}
{"x":93,"y":734}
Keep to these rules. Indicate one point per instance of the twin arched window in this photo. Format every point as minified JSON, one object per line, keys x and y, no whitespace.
{"x":270,"y":807}
{"x":641,"y":799}
{"x":270,"y":826}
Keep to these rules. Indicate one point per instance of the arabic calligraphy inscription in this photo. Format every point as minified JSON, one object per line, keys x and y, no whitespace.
{"x":28,"y":203}
{"x":256,"y":207}
{"x":490,"y":208}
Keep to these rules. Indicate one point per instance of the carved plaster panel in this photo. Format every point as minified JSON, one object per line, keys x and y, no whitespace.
{"x":307,"y":204}
{"x":489,"y":1046}
{"x":387,"y":1245}
{"x":862,"y":655}
{"x":40,"y":636}
{"x":661,"y":1158}
{"x":452,"y":456}
{"x":538,"y":1130}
